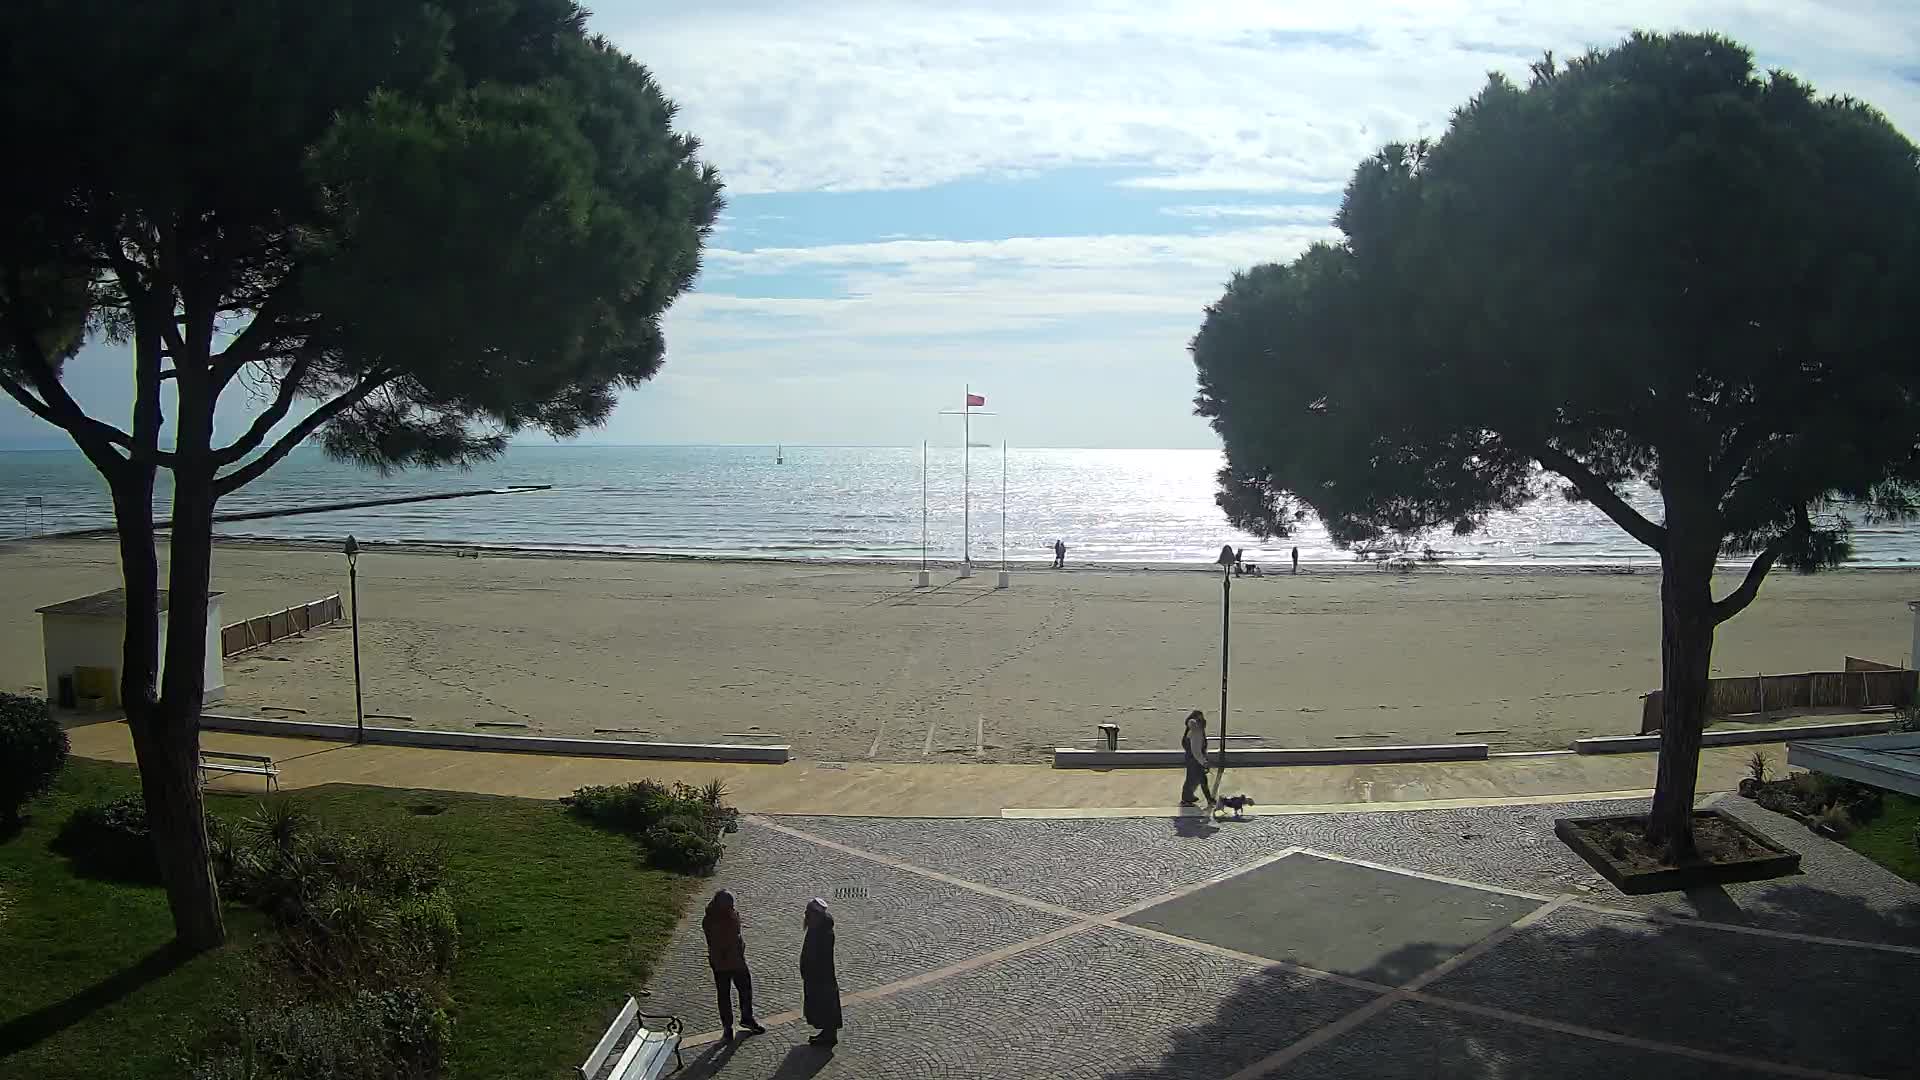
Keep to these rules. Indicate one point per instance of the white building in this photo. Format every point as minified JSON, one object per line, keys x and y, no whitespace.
{"x":91,"y":632}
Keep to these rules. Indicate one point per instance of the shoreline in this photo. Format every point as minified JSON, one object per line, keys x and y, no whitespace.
{"x":1462,"y":568}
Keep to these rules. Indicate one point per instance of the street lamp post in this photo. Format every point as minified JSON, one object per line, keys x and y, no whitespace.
{"x":353,"y":594}
{"x":1227,"y":561}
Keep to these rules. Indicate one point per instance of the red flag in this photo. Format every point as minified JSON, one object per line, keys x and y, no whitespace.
{"x":976,"y":399}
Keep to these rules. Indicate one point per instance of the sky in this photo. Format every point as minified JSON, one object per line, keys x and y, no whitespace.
{"x":1038,"y":200}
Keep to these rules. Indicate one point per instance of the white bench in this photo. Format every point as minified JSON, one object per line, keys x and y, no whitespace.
{"x":641,"y":1051}
{"x":219,"y":761}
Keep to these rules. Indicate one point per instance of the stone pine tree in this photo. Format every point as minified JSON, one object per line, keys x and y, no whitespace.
{"x":1650,"y":264}
{"x":407,"y":229}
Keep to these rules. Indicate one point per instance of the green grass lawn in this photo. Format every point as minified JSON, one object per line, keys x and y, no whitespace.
{"x":558,"y":922}
{"x":1888,"y":839}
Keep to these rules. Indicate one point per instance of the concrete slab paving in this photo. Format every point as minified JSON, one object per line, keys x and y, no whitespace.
{"x":1339,"y":917}
{"x":1414,"y":1041}
{"x":1100,"y":1005}
{"x":1844,"y":1009}
{"x":890,"y":924}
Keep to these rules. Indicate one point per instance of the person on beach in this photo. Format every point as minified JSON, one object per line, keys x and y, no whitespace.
{"x":727,"y":955}
{"x":1059,"y":554}
{"x":819,"y":985}
{"x":1296,"y":560}
{"x":1193,"y":747}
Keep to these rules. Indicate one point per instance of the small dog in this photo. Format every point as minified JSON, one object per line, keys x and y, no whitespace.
{"x":1236,"y":803}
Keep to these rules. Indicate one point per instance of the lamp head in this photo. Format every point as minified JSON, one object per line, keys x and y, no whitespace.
{"x":352,"y":548}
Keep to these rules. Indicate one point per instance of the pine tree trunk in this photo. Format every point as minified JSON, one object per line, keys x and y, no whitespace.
{"x":166,"y":744}
{"x":1686,"y":664}
{"x":177,"y":815}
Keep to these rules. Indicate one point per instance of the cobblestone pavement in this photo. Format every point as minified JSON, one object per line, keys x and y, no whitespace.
{"x":1132,"y":949}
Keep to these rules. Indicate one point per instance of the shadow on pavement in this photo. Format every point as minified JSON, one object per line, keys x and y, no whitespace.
{"x":1827,"y":1007}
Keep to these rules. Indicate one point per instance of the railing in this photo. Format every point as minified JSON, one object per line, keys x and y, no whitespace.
{"x":266,"y":629}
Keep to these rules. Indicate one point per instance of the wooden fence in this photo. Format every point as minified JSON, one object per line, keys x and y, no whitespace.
{"x":1864,"y":685}
{"x":264,"y":629}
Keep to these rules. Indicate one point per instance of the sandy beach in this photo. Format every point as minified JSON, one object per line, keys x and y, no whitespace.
{"x":851,"y":663}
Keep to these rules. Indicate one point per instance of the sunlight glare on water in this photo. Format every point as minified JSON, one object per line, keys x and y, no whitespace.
{"x":1110,"y":506}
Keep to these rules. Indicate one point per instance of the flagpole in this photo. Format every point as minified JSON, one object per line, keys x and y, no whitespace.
{"x":1004,"y":579}
{"x":923,"y":579}
{"x":966,"y":484}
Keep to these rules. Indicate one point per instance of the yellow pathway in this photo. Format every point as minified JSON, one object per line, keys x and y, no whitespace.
{"x":880,"y":789}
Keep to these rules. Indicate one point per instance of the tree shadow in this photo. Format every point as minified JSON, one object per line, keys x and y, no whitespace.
{"x":101,"y":855}
{"x":25,"y":1031}
{"x":1844,"y":1009}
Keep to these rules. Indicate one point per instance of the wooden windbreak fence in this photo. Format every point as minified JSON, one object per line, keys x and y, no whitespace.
{"x":1864,"y":685}
{"x":265,"y":629}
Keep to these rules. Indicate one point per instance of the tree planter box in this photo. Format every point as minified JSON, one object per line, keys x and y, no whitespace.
{"x":1771,"y":860}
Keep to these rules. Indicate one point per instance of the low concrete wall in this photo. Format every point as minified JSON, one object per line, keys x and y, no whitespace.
{"x":525,"y":744}
{"x":1067,"y":757}
{"x":1636,"y":744}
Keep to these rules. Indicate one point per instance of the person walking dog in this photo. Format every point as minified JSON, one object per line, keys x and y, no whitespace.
{"x":727,"y":955}
{"x":1193,"y":747}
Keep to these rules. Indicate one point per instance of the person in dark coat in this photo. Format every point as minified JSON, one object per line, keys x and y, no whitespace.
{"x":727,"y":955}
{"x":1193,"y":751}
{"x":820,"y":987}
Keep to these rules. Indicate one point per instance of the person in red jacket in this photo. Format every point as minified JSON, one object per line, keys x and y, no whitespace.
{"x":727,"y":955}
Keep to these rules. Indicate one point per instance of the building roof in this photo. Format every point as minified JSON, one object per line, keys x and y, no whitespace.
{"x":1890,"y":761}
{"x":111,"y":604}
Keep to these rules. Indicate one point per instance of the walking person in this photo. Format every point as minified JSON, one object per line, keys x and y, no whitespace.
{"x":1296,"y":560}
{"x":1059,"y":554}
{"x":727,"y":955}
{"x":1193,"y":747}
{"x":819,"y":986}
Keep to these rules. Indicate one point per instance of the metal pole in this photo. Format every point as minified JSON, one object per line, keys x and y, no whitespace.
{"x":1226,"y":632}
{"x":1003,"y":505}
{"x":359,"y":709}
{"x":923,"y":504}
{"x":966,"y":478}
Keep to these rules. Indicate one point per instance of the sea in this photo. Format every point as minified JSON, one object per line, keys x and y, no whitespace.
{"x":862,"y":503}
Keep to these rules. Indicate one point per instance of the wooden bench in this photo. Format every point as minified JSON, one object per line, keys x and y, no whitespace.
{"x":219,"y":761}
{"x":630,"y":1050}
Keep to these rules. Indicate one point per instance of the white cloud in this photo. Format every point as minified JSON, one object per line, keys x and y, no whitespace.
{"x":1082,"y":338}
{"x":933,"y":288}
{"x":1303,"y":213}
{"x":1231,"y":96}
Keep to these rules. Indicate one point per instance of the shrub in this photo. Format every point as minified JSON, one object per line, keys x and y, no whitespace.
{"x":353,"y":910}
{"x":687,"y":843}
{"x":1834,"y":821}
{"x":679,"y":827}
{"x":366,"y":935}
{"x":33,"y":750}
{"x":395,"y":1034}
{"x":629,"y":808}
{"x":110,"y":840}
{"x":348,"y":938}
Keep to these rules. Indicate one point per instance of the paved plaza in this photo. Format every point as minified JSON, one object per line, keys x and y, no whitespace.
{"x":1419,"y":944}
